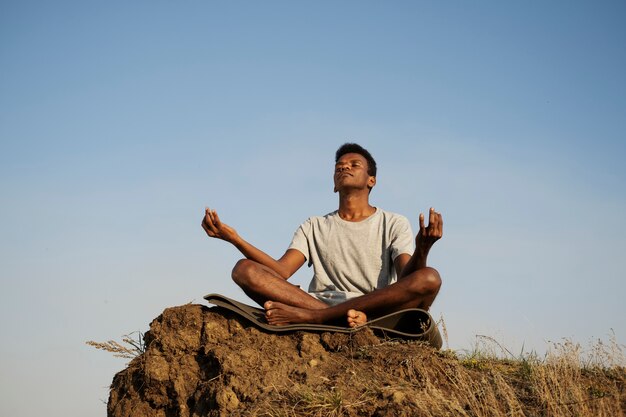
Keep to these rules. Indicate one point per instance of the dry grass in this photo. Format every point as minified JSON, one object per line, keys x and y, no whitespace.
{"x":487,"y":381}
{"x":133,"y":346}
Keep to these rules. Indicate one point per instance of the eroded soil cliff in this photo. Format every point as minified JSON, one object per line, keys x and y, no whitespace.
{"x":208,"y":362}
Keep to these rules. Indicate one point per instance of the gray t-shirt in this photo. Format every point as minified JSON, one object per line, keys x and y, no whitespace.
{"x":352,"y":258}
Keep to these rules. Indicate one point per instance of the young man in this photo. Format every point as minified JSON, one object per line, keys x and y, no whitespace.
{"x":362,"y":256}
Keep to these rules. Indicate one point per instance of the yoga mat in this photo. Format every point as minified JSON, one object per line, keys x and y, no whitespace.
{"x":412,"y":323}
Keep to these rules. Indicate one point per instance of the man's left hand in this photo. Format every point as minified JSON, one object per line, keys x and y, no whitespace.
{"x":428,"y":235}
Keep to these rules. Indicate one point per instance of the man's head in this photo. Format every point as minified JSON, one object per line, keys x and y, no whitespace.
{"x":354,"y":167}
{"x":356,"y":148}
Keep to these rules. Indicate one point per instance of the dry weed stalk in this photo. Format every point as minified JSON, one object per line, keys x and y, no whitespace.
{"x":444,"y":331}
{"x":134,"y":348}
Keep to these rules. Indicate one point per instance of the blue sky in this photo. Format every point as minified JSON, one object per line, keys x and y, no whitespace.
{"x":121,"y":121}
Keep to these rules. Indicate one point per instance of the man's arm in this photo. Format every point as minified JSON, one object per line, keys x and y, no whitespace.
{"x":286,"y":266}
{"x":425,"y":239}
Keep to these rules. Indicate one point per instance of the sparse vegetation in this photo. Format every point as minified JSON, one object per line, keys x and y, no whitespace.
{"x":564,"y":383}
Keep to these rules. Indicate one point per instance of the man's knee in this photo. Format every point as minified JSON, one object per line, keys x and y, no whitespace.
{"x":242,"y":271}
{"x":432,"y":280}
{"x":426,"y":281}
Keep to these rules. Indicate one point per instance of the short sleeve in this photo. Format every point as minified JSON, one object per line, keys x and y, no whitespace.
{"x":300,"y":241}
{"x":402,"y":238}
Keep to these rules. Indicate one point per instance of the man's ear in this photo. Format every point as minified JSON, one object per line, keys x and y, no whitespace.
{"x":371,"y":182}
{"x":335,"y":189}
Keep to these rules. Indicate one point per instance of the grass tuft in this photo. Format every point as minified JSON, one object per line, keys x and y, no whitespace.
{"x":133,"y":346}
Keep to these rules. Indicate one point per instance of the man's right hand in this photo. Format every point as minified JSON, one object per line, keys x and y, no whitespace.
{"x":215,"y":228}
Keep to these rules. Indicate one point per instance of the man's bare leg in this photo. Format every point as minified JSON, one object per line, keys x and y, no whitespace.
{"x":262,"y":284}
{"x":416,"y":290}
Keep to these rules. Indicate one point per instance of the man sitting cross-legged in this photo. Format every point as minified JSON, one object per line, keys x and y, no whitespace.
{"x":364,"y":263}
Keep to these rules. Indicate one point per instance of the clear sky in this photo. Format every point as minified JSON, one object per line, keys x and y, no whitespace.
{"x":121,"y":121}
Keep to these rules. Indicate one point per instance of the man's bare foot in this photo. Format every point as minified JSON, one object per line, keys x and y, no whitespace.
{"x":356,"y":318}
{"x":279,"y":314}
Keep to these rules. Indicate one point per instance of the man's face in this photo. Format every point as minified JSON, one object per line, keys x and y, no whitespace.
{"x":351,"y":172}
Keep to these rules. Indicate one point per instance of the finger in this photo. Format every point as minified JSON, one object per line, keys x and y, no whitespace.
{"x":214,"y":228}
{"x":218,"y":222}
{"x":431,"y":217}
{"x":207,"y":216}
{"x":207,"y":229}
{"x":205,"y":221}
{"x":434,"y":225}
{"x":421,"y":222}
{"x":208,"y":226}
{"x":214,"y":221}
{"x":211,"y":222}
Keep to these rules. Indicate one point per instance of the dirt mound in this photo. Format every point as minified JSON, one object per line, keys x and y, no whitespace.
{"x":208,"y":362}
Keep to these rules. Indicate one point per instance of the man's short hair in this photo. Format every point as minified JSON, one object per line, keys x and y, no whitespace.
{"x":355,"y":148}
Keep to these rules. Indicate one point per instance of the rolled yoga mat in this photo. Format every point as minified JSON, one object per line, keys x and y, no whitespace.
{"x":409,"y":324}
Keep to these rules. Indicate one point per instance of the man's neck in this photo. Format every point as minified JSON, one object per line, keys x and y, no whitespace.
{"x":354,"y":207}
